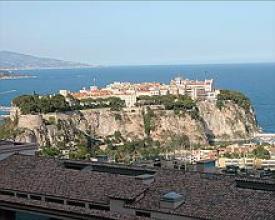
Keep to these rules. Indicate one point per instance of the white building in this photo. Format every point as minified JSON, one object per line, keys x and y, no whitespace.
{"x":130,"y":99}
{"x":64,"y":92}
{"x":193,"y":88}
{"x":197,"y":90}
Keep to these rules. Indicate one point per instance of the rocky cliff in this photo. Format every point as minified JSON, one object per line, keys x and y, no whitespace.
{"x":227,"y":123}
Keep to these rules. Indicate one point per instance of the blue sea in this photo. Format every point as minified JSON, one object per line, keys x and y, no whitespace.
{"x":257,"y":81}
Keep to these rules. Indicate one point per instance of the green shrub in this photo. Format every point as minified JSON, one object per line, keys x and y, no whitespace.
{"x":118,"y":117}
{"x":261,"y":153}
{"x":177,"y":111}
{"x":148,"y":119}
{"x":50,"y":151}
{"x":51,"y":121}
{"x":171,"y":102}
{"x":220,"y":104}
{"x":80,"y":154}
{"x":118,"y":136}
{"x":31,"y":104}
{"x":8,"y":129}
{"x":237,"y":97}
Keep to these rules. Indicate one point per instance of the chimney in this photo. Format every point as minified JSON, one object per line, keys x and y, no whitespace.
{"x":146,"y":179}
{"x":171,"y":200}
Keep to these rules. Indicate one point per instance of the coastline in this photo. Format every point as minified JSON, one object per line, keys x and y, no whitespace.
{"x":49,"y":68}
{"x":17,"y":77}
{"x":236,"y":80}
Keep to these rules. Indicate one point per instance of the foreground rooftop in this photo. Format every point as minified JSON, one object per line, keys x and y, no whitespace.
{"x":12,"y":146}
{"x":122,"y":192}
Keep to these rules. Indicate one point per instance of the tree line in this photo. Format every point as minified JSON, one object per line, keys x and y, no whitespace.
{"x":30,"y":104}
{"x":177,"y":103}
{"x":33,"y":104}
{"x":237,"y":97}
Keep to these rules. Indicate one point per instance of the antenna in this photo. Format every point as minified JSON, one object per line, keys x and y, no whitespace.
{"x":195,"y":76}
{"x":94,"y":81}
{"x":205,"y":72}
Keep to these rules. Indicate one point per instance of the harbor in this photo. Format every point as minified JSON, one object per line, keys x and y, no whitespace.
{"x":5,"y":111}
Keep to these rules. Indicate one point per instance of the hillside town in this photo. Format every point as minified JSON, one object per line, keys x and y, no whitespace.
{"x":129,"y":92}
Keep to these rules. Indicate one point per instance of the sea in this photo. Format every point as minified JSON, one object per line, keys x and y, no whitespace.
{"x":257,"y":81}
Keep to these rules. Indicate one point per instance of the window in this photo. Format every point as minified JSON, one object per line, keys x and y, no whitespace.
{"x":59,"y":201}
{"x":7,"y":193}
{"x":22,"y":195}
{"x":34,"y":197}
{"x":99,"y":207}
{"x":144,"y":214}
{"x":78,"y":204}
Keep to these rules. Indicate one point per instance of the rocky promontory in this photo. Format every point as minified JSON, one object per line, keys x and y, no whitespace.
{"x":231,"y":122}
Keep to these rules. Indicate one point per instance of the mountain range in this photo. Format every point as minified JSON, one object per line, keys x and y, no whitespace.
{"x":12,"y":61}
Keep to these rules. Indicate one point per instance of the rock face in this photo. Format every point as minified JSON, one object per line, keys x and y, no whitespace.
{"x":231,"y":122}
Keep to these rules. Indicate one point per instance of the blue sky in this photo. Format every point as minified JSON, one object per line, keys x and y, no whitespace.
{"x":133,"y":33}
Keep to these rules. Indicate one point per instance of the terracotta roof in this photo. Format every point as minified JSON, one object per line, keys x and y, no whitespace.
{"x":47,"y":176}
{"x":209,"y":197}
{"x":85,"y":213}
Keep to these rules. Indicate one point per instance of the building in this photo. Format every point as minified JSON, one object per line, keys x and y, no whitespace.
{"x":246,"y":163}
{"x":64,"y":92}
{"x":130,"y":99}
{"x":129,"y":92}
{"x":265,"y":138}
{"x":64,"y":189}
{"x":203,"y":90}
{"x":8,"y":148}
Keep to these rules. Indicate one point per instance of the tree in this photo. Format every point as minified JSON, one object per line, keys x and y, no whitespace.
{"x":81,"y":153}
{"x":261,"y":153}
{"x":8,"y":129}
{"x":237,"y":97}
{"x":50,"y":151}
{"x":115,"y":103}
{"x":177,"y":142}
{"x":118,"y":136}
{"x":148,"y":118}
{"x":31,"y":104}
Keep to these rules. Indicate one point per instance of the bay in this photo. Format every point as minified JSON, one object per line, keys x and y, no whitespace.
{"x":257,"y":81}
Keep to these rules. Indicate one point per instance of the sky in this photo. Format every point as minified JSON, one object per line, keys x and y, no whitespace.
{"x":141,"y":33}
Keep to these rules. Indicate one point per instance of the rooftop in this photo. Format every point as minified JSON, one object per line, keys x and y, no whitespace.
{"x":49,"y":176}
{"x":11,"y":146}
{"x":206,"y":196}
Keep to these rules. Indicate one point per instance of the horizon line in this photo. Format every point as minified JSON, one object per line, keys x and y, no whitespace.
{"x":133,"y":65}
{"x":188,"y":64}
{"x":122,"y":65}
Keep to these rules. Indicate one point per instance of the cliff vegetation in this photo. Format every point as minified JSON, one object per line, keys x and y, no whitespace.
{"x":237,"y":97}
{"x":156,"y":125}
{"x":36,"y":104}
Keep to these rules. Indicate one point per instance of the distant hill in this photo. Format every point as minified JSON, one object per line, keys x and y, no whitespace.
{"x":12,"y":60}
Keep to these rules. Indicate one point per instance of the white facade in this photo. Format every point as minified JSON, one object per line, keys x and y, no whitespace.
{"x":197,"y":90}
{"x":64,"y":92}
{"x":130,"y":100}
